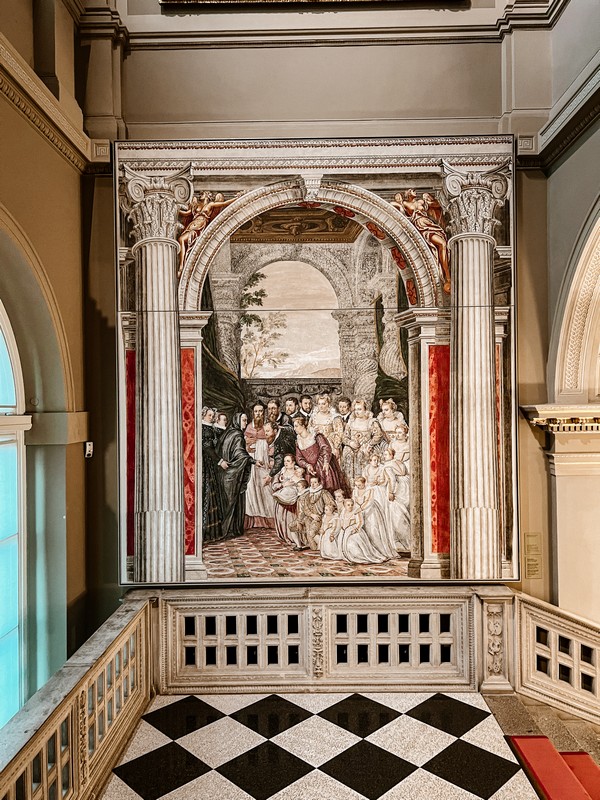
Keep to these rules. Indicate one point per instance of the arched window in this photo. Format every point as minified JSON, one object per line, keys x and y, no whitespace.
{"x":13,"y":424}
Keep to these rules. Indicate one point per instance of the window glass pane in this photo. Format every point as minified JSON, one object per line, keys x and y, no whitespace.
{"x":8,"y":489}
{"x":7,"y":381}
{"x":9,"y":581}
{"x":9,"y":675}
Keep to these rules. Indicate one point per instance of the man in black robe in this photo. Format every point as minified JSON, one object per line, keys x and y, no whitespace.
{"x":232,"y":449}
{"x":283,"y":442}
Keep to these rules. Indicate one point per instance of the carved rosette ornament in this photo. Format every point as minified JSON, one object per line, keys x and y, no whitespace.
{"x":471,"y":200}
{"x":152,"y":204}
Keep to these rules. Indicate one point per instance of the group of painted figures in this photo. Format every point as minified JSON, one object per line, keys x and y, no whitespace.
{"x":331,"y":480}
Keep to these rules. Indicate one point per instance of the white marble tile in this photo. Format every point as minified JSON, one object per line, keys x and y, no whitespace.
{"x":316,"y":702}
{"x":145,"y":738}
{"x":411,"y":740}
{"x":517,"y":788}
{"x":316,"y":740}
{"x":421,"y":785}
{"x":317,"y":786}
{"x":470,"y":698}
{"x":221,"y":741}
{"x":399,"y":701}
{"x":116,"y":789}
{"x":230,"y":703}
{"x":162,"y":700}
{"x":211,"y":786}
{"x":488,"y":735}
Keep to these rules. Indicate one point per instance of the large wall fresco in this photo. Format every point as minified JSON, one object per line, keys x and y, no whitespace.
{"x":316,"y":361}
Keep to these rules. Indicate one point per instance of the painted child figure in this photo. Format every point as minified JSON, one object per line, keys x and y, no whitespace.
{"x":397,"y":510}
{"x":285,"y":493}
{"x":380,"y":535}
{"x":311,"y":509}
{"x":330,"y":532}
{"x":400,"y":446}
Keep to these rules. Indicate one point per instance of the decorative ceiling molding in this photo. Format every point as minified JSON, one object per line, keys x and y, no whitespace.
{"x":27,"y":93}
{"x":297,"y":225}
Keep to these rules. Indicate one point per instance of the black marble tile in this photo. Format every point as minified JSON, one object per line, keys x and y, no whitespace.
{"x":161,"y":771}
{"x":185,"y":716}
{"x":265,"y":770}
{"x":368,"y":769}
{"x":271,"y":715}
{"x":448,"y":714}
{"x":359,"y":715}
{"x":473,"y":769}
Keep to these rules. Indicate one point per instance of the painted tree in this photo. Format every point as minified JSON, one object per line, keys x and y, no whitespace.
{"x":259,"y":334}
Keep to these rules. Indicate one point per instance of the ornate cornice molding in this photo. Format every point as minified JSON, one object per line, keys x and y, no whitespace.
{"x":325,"y":156}
{"x":531,"y":14}
{"x":564,"y":418}
{"x":27,"y":93}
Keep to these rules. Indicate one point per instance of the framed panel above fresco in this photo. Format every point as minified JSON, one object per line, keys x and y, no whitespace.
{"x":316,"y":361}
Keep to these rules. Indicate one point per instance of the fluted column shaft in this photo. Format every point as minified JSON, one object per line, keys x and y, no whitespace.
{"x":474,"y":466}
{"x":152,"y":204}
{"x":158,"y":513}
{"x":471,"y":200}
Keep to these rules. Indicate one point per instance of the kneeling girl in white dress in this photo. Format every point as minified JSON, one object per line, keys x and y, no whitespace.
{"x":354,"y":542}
{"x":379,"y":533}
{"x":330,"y":534}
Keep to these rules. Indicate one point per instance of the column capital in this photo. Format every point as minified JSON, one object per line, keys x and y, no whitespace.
{"x":152,"y":202}
{"x":425,"y":322}
{"x":471,"y":199}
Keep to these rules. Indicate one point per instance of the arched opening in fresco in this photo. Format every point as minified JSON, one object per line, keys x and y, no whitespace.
{"x":305,"y":400}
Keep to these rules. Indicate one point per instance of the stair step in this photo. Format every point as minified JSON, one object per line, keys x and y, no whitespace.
{"x":586,"y":771}
{"x":547,"y":770}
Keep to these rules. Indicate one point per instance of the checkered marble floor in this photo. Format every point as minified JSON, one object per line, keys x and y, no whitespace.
{"x":259,"y":553}
{"x":319,"y":747}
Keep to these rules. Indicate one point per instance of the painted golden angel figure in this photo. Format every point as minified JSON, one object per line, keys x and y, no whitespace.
{"x":196,"y":217}
{"x":426,"y":215}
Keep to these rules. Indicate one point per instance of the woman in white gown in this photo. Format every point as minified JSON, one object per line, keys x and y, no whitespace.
{"x":380,"y":535}
{"x":356,"y":545}
{"x":397,"y":510}
{"x":285,"y":494}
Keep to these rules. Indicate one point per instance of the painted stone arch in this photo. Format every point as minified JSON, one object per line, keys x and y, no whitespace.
{"x":574,"y":361}
{"x":389,"y":226}
{"x":327,"y":263}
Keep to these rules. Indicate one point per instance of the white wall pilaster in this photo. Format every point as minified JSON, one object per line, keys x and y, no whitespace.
{"x":472,"y":199}
{"x":152,"y":206}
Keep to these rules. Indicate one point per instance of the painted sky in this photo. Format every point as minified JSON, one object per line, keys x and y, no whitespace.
{"x":311,"y":338}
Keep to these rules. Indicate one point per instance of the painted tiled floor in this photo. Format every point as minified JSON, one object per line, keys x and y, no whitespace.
{"x":319,"y":747}
{"x":259,"y":553}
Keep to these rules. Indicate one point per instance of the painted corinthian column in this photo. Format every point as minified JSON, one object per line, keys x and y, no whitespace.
{"x":471,"y":200}
{"x":152,"y":205}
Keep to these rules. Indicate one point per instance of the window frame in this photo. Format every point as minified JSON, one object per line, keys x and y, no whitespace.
{"x":13,"y":426}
